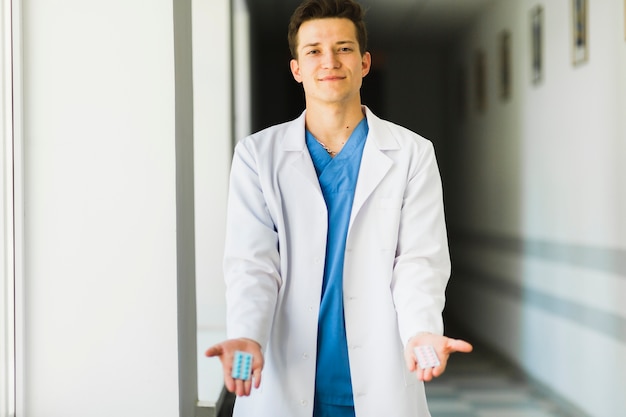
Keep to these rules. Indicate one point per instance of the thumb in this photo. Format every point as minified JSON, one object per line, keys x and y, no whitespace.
{"x":458,"y":345}
{"x":216,"y":350}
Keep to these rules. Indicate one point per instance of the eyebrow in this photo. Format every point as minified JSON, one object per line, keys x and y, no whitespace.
{"x":314,"y":44}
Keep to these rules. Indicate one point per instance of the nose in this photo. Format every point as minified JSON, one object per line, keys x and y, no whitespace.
{"x":330,"y":61}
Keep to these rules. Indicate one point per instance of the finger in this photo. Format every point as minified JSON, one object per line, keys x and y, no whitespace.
{"x":227,"y":368}
{"x":229,"y":383}
{"x":425,"y":374}
{"x":411,"y":363}
{"x":256,"y":376}
{"x":410,"y":360}
{"x":247,"y":386}
{"x":240,"y":388}
{"x":439,"y":370}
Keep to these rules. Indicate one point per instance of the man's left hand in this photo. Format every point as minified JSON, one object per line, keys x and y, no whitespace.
{"x":444,"y":346}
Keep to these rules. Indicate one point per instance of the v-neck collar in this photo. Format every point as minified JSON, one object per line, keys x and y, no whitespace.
{"x":356,"y":139}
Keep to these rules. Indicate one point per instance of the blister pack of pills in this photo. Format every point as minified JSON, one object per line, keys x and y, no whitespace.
{"x":426,"y":356}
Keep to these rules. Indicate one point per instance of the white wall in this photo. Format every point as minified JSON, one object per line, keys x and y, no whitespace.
{"x":621,"y":94}
{"x":213,"y":132}
{"x":212,"y":150}
{"x":537,"y":203}
{"x":242,"y":69}
{"x":100,"y":276}
{"x":7,"y":338}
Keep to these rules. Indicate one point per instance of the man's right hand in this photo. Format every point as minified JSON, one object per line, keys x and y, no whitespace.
{"x":226,"y":352}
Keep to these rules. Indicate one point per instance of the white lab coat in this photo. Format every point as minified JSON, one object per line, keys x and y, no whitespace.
{"x":396,"y":266}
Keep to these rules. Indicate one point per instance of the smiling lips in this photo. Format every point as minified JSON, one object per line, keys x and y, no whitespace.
{"x":332,"y":78}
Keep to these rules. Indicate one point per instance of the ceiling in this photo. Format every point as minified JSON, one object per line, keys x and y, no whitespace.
{"x":387,"y":20}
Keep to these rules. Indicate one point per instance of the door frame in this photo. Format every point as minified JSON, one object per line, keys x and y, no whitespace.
{"x":11,"y":210}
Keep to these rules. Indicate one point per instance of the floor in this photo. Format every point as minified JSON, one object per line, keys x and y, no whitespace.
{"x":482,"y":384}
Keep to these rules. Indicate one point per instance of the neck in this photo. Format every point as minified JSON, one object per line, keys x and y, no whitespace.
{"x":333,"y":125}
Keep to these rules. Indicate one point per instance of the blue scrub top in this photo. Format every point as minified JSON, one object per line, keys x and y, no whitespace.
{"x":338,"y":178}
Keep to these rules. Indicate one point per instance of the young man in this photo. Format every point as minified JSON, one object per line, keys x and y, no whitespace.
{"x":336,"y":257}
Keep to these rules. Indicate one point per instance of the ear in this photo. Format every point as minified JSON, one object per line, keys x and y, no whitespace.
{"x":295,"y":70}
{"x":366,"y":64}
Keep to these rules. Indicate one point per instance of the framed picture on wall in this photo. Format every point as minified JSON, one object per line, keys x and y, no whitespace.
{"x":580,"y":31}
{"x":536,"y":44}
{"x":480,"y":80}
{"x":505,"y":64}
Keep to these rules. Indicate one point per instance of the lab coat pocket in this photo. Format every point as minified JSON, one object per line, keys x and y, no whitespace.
{"x":388,"y":221}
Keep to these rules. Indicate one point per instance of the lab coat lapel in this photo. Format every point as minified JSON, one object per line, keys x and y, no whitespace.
{"x":374,"y":163}
{"x":299,"y":158}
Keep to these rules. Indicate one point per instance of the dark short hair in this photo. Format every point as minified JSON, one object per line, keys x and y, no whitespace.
{"x":322,"y":9}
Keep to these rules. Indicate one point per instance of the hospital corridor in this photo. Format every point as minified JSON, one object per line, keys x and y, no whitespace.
{"x":119,"y":120}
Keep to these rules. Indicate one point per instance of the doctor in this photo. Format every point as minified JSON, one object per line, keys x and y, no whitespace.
{"x":336,"y":256}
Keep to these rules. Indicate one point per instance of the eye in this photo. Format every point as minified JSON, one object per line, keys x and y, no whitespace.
{"x":345,"y":49}
{"x":313,"y":52}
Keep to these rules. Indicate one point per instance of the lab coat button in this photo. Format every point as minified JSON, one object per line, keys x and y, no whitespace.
{"x":303,"y":402}
{"x":305,"y":356}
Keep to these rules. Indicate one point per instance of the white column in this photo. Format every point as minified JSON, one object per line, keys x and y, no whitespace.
{"x":100,"y":280}
{"x":7,"y":239}
{"x":213,"y":136}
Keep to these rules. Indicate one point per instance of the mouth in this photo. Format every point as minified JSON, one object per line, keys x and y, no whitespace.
{"x":332,"y":78}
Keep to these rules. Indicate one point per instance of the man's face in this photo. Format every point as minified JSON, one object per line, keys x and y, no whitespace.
{"x":329,"y":64}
